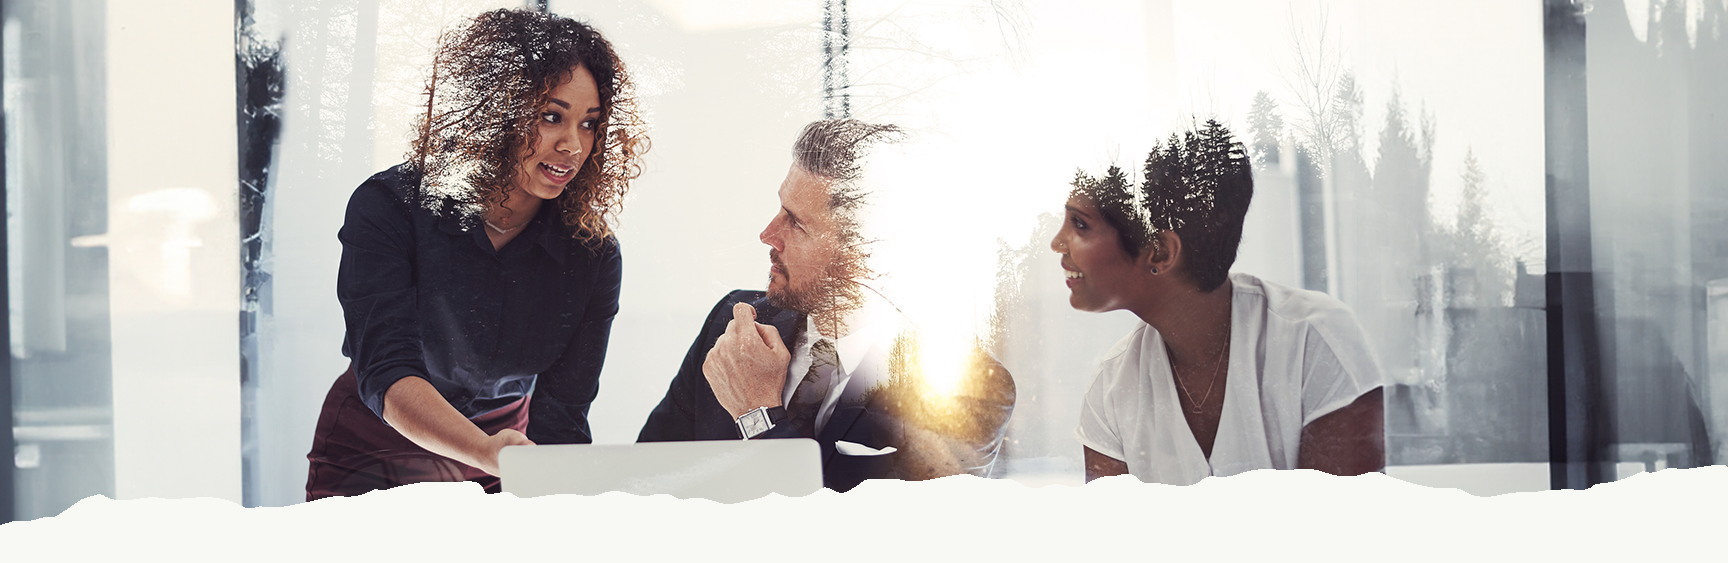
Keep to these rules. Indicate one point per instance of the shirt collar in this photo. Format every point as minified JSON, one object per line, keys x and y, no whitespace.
{"x":552,"y":234}
{"x":867,"y":325}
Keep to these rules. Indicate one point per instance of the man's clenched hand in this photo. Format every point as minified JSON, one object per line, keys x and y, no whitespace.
{"x":747,"y":365}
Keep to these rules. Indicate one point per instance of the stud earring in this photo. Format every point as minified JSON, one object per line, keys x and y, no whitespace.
{"x":1154,"y":270}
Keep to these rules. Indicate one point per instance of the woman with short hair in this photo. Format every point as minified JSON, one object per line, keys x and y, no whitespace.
{"x":1227,"y":372}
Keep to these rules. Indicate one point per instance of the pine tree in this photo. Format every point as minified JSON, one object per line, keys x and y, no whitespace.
{"x":1346,"y":115}
{"x":1265,"y":127}
{"x":1476,"y":244}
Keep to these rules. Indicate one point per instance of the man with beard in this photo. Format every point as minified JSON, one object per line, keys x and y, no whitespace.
{"x":820,"y":355}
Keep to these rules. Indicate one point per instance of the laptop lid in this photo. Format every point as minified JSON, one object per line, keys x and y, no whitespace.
{"x":719,"y":470}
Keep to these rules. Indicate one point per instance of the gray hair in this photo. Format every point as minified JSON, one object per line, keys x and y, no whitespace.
{"x":832,"y":148}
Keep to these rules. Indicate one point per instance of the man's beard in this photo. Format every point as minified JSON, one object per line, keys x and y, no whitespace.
{"x":834,"y":291}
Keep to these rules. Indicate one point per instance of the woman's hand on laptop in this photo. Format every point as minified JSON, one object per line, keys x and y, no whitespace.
{"x":414,"y":408}
{"x":495,"y":443}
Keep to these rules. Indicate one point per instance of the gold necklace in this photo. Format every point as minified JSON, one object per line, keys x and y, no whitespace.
{"x":1217,"y":363}
{"x":501,"y":230}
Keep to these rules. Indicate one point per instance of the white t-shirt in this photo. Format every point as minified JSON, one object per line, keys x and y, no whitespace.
{"x":1295,"y":355}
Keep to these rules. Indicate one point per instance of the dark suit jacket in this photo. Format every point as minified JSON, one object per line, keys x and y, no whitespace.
{"x":690,"y":412}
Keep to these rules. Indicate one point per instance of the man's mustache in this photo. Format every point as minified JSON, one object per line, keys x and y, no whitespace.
{"x":774,"y":258}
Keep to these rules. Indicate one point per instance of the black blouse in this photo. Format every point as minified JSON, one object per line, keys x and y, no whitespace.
{"x":425,"y":296}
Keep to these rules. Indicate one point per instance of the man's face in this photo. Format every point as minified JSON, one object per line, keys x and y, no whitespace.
{"x":804,"y":241}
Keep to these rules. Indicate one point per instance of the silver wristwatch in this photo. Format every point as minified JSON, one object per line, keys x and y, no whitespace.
{"x":759,"y":420}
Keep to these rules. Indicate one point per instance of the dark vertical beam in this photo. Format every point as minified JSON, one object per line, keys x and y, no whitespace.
{"x":251,"y":202}
{"x":260,"y":81}
{"x":1576,"y":437}
{"x":836,"y":40}
{"x":8,"y":448}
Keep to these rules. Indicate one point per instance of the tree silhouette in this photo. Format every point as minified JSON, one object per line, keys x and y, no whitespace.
{"x":1351,"y":183}
{"x":1402,"y":170}
{"x":899,"y":56}
{"x":1482,"y":268}
{"x":1346,"y":116}
{"x":1265,"y":128}
{"x":1313,"y":78}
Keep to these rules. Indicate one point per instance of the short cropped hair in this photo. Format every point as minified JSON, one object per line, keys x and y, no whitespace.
{"x":1197,"y":185}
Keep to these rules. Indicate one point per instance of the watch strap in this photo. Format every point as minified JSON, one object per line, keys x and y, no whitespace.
{"x":761,"y":419}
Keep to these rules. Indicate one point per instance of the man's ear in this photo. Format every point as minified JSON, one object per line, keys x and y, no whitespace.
{"x":1163,"y":255}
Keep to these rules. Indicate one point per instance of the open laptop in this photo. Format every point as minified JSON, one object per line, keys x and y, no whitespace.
{"x":719,"y":470}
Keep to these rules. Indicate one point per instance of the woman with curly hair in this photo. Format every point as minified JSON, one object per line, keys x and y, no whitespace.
{"x":1226,"y":372}
{"x":479,"y":279}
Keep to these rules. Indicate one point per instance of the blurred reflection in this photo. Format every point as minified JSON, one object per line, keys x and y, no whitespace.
{"x":56,"y":191}
{"x":1658,"y":209}
{"x":177,"y":211}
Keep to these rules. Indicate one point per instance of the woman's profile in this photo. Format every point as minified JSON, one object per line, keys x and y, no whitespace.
{"x":479,"y":280}
{"x":1226,"y":372}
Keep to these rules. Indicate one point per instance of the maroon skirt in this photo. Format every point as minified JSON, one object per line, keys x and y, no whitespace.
{"x":353,"y":451}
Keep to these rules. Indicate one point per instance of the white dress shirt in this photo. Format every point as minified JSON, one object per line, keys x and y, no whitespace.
{"x":871,"y":334}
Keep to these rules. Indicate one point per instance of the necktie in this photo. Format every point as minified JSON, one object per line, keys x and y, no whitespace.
{"x":814,"y":388}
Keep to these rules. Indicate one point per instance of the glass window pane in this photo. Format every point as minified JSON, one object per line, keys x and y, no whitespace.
{"x":1658,"y":210}
{"x":57,"y":203}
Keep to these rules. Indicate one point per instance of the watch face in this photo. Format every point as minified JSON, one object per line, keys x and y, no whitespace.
{"x":753,"y":423}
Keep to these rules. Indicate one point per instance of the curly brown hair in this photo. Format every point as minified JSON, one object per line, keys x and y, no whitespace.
{"x":489,"y":80}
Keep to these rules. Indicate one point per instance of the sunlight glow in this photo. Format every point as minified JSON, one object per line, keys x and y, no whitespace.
{"x":942,"y":358}
{"x":933,"y":253}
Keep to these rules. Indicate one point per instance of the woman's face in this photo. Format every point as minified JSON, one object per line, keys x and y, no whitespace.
{"x":566,"y":127}
{"x":1101,"y":275}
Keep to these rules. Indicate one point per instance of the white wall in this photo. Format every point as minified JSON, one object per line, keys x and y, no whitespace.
{"x":173,"y":249}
